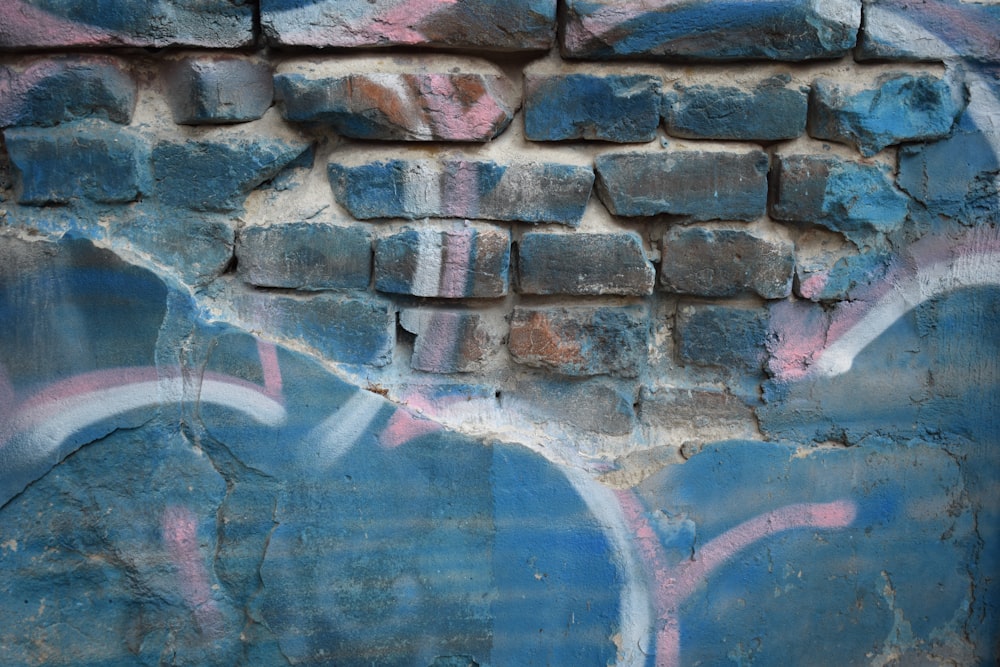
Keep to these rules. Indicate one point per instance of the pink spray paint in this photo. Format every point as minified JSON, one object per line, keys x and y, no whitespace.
{"x":179,"y":530}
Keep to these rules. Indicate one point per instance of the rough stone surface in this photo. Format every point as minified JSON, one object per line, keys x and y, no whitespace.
{"x":901,"y":107}
{"x":305,"y":255}
{"x":91,"y":160}
{"x":517,"y":25}
{"x":219,"y":89}
{"x":460,"y":263}
{"x":771,"y":111}
{"x":217,"y":175}
{"x":711,"y":414}
{"x":403,"y":99}
{"x":698,"y":185}
{"x":583,"y":264}
{"x":785,"y":30}
{"x":844,"y":196}
{"x":620,"y":108}
{"x":843,"y":279}
{"x":61,"y":89}
{"x":580,"y":340}
{"x":449,"y":341}
{"x":722,"y":336}
{"x":70,"y":23}
{"x":599,"y":405}
{"x":725,"y":262}
{"x":463,"y":188}
{"x":945,"y":30}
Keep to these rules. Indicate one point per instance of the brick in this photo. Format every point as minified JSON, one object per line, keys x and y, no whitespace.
{"x":900,"y":107}
{"x":960,"y":29}
{"x":840,"y":280}
{"x":583,"y":264}
{"x":621,"y":108}
{"x":788,"y":30}
{"x":581,"y":340}
{"x":723,"y":337}
{"x":463,"y":188}
{"x":725,"y":262}
{"x":304,"y":255}
{"x":218,"y":175}
{"x":704,"y":415}
{"x":844,"y":196}
{"x":343,"y":328}
{"x":92,"y":160}
{"x":62,"y":89}
{"x":483,"y":25}
{"x":454,"y":264}
{"x":218,"y":89}
{"x":595,"y":405}
{"x":770,"y":111}
{"x":449,"y":341}
{"x":698,"y":185}
{"x":403,"y":99}
{"x":111,"y":23}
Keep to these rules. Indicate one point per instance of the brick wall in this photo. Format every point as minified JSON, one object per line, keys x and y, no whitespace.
{"x":721,"y":277}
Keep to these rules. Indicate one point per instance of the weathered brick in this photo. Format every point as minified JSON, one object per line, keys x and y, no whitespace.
{"x":218,"y":89}
{"x":410,"y":99}
{"x":900,"y":107}
{"x":768,"y":112}
{"x":343,"y":328}
{"x":699,"y":185}
{"x":449,"y":341}
{"x":581,"y":340}
{"x":725,"y":262}
{"x":844,"y":196}
{"x":583,"y":264}
{"x":704,"y":415}
{"x":722,"y":336}
{"x":702,"y":30}
{"x":621,"y":108}
{"x":218,"y":175}
{"x":595,"y":405}
{"x":67,"y":88}
{"x":304,"y":255}
{"x":88,"y":159}
{"x":840,"y":280}
{"x":110,"y":23}
{"x":454,"y":264}
{"x":483,"y":25}
{"x":945,"y":29}
{"x":461,"y":188}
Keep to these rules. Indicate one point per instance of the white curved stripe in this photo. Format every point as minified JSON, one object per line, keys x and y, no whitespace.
{"x":974,"y":270}
{"x":338,"y":432}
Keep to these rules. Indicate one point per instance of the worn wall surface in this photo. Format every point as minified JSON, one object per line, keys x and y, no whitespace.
{"x":465,"y":332}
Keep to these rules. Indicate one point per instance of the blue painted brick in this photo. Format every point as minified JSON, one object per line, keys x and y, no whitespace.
{"x":698,"y":185}
{"x":583,"y":264}
{"x":595,"y":405}
{"x":768,"y":112}
{"x":722,"y":336}
{"x":948,"y":29}
{"x":620,"y":108}
{"x":449,"y":341}
{"x":88,"y":159}
{"x":218,"y":89}
{"x":304,"y":255}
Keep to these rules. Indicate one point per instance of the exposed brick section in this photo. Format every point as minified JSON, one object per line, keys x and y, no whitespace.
{"x":449,"y":341}
{"x":701,"y":30}
{"x":722,"y":336}
{"x":57,"y":90}
{"x":710,"y":415}
{"x":900,"y":107}
{"x":698,"y":185}
{"x":346,"y":329}
{"x":581,"y":340}
{"x":621,"y":108}
{"x":218,"y":175}
{"x":515,"y":25}
{"x":595,"y":405}
{"x":768,"y":112}
{"x":725,"y":262}
{"x":961,"y":29}
{"x":304,"y":255}
{"x":454,"y":264}
{"x":219,"y":89}
{"x":411,"y":99}
{"x":583,"y":264}
{"x":458,"y":188}
{"x":198,"y":248}
{"x":89,"y":160}
{"x":844,"y":196}
{"x":69,"y":23}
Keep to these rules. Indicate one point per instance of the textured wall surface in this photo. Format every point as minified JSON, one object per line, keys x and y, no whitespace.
{"x":464,"y":332}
